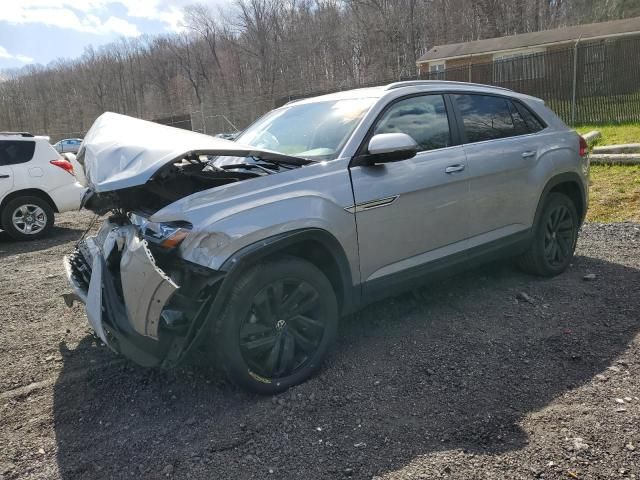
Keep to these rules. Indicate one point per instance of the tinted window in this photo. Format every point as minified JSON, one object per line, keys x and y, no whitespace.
{"x":13,"y":152}
{"x":422,"y":118}
{"x":533,"y":124}
{"x":518,"y":122}
{"x":486,"y":117}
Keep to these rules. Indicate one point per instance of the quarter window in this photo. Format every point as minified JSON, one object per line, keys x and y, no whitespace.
{"x":518,"y":122}
{"x":533,"y":124}
{"x":423,"y":118}
{"x":13,"y":152}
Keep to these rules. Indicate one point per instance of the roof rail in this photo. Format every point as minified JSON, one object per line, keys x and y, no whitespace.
{"x":21,"y":134}
{"x":417,"y":83}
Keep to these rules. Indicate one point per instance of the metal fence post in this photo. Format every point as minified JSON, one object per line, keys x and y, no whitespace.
{"x":575,"y":81}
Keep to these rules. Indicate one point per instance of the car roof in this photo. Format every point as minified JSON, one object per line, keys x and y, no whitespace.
{"x":410,"y":86}
{"x":16,"y":136}
{"x":24,"y":136}
{"x":354,"y":94}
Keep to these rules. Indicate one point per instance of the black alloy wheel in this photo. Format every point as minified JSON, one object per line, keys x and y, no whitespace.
{"x":283,"y":329}
{"x":553,"y":239}
{"x":279,"y":322}
{"x":559,"y":235}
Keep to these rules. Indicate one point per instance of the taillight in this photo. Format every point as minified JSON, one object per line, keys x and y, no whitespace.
{"x":63,"y":164}
{"x":584,"y":147}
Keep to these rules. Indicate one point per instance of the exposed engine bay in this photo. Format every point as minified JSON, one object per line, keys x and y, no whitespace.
{"x":193,"y":173}
{"x":136,"y":165}
{"x":144,"y":297}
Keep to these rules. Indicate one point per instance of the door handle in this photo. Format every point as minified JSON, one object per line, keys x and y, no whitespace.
{"x":454,"y":168}
{"x":4,"y":176}
{"x":528,"y":154}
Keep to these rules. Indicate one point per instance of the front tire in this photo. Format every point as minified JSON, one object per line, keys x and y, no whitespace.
{"x":278,"y":325}
{"x":554,"y":238}
{"x":27,"y":218}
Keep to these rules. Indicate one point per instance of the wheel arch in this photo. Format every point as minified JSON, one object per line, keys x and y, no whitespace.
{"x":315,"y":245}
{"x":29,"y":192}
{"x":571,"y":185}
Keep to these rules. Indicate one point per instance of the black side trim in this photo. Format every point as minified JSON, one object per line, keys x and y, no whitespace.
{"x":235,"y":265}
{"x":390,"y":285}
{"x":279,"y":243}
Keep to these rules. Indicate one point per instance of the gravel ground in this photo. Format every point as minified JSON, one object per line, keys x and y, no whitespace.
{"x":491,"y":375}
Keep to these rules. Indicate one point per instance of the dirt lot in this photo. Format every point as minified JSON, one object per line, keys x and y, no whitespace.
{"x":492,"y":374}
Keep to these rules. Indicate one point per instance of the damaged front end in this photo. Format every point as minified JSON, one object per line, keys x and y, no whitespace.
{"x":143,"y":302}
{"x":142,"y":298}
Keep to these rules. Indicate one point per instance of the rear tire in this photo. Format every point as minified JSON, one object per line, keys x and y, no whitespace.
{"x":278,"y":324}
{"x":27,"y":218}
{"x":554,"y":238}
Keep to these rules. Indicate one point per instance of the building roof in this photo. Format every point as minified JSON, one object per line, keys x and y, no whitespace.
{"x":545,"y":37}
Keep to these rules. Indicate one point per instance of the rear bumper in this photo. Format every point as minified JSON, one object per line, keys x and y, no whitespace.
{"x":67,"y":197}
{"x":124,"y":292}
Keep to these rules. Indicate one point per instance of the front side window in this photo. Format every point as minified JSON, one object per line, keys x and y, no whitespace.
{"x":316,"y":131}
{"x":488,"y":118}
{"x":423,"y":118}
{"x":13,"y":152}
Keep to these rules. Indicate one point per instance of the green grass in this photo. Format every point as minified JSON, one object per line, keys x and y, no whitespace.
{"x":614,"y":193}
{"x":614,"y":134}
{"x":615,"y":189}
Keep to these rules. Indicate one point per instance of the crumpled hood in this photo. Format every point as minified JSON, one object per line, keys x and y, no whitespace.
{"x":122,"y":151}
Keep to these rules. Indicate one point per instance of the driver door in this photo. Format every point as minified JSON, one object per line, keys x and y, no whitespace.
{"x":412,"y":212}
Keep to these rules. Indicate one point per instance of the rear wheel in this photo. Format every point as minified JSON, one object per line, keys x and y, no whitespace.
{"x":27,"y":218}
{"x":279,"y":322}
{"x":554,"y":238}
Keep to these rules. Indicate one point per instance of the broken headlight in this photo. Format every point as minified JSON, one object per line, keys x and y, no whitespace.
{"x":167,"y":234}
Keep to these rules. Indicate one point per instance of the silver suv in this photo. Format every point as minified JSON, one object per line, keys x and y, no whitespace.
{"x":252,"y":250}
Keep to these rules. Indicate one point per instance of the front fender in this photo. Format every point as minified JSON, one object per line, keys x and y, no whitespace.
{"x":214,"y":244}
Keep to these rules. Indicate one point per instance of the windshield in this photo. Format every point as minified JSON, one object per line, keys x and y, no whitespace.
{"x":316,"y":131}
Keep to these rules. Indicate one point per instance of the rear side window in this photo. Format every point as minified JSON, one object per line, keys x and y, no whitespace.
{"x":13,"y":152}
{"x":486,"y":117}
{"x":423,"y":118}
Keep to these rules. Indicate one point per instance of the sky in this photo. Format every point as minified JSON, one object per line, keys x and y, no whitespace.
{"x":42,"y":31}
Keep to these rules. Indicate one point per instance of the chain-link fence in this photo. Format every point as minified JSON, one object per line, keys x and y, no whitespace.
{"x":596,"y":82}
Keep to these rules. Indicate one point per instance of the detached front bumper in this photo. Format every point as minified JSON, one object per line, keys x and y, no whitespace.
{"x":115,"y":275}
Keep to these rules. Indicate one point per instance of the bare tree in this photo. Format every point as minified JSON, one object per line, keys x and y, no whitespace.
{"x":237,"y":62}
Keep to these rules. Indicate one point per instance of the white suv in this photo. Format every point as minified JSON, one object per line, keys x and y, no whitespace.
{"x":35,"y":183}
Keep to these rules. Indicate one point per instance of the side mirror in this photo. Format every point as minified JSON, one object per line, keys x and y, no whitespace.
{"x":388,"y":147}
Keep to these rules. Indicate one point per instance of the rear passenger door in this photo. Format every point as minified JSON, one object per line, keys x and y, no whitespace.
{"x":502,"y":150}
{"x":12,"y":154}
